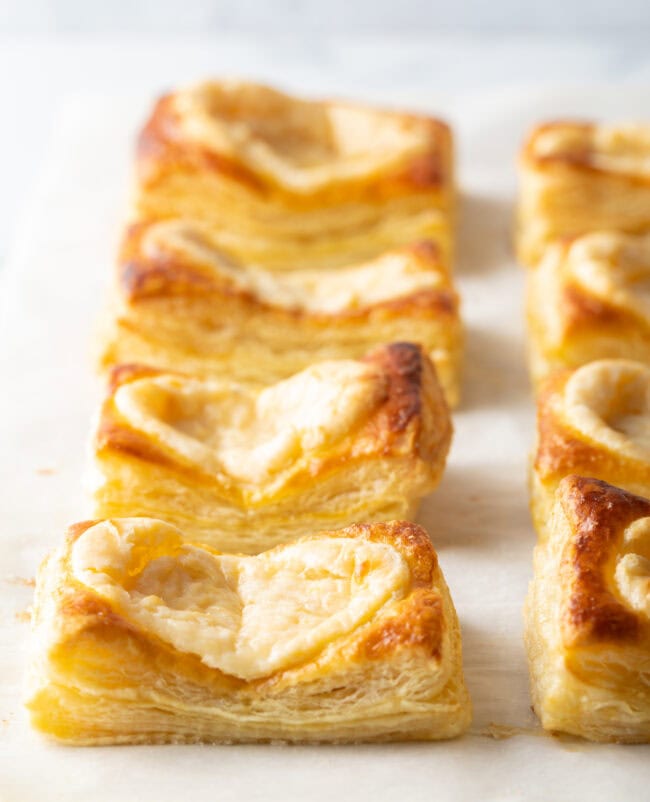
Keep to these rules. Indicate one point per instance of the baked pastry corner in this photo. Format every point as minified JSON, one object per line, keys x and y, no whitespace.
{"x":142,"y":637}
{"x":587,"y":615}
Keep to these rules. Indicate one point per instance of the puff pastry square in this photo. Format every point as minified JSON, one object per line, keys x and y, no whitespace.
{"x":588,"y":615}
{"x":590,"y":299}
{"x":245,"y":469}
{"x":142,"y":637}
{"x":286,"y":182}
{"x":594,"y":421}
{"x":582,"y":177}
{"x":184,"y":304}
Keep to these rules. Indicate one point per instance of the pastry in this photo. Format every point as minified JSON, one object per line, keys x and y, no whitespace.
{"x":245,"y":469}
{"x":184,"y":304}
{"x":347,"y":635}
{"x":590,"y":299}
{"x":285,"y":182}
{"x":588,"y":615}
{"x":594,"y":421}
{"x":581,"y":177}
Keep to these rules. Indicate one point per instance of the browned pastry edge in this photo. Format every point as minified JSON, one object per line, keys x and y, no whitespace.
{"x":394,"y":428}
{"x":161,"y":148}
{"x":598,"y":514}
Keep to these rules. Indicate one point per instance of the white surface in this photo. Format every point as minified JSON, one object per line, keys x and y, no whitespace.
{"x":478,"y":518}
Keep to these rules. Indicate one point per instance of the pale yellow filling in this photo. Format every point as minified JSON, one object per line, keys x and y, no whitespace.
{"x":632,"y":572}
{"x":246,"y":616}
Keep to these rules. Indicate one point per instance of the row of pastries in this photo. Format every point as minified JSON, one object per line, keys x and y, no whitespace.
{"x":280,"y":353}
{"x":584,"y":234}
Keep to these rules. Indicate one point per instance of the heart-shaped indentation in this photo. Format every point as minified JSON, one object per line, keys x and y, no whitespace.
{"x":251,"y":436}
{"x":608,"y":401}
{"x":246,"y":616}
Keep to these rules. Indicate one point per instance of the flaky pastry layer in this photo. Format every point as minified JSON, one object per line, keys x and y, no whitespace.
{"x":589,"y":299}
{"x":184,"y":304}
{"x":283,"y":181}
{"x":144,"y":637}
{"x":244,"y":469}
{"x":588,"y":614}
{"x":582,"y":177}
{"x":593,"y":421}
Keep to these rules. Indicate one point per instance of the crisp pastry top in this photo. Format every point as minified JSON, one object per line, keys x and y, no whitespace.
{"x":622,"y":150}
{"x":246,"y":616}
{"x":255,"y":441}
{"x":252,"y":617}
{"x":263,"y":137}
{"x":604,"y":536}
{"x":604,"y":275}
{"x":181,"y":257}
{"x":599,"y":413}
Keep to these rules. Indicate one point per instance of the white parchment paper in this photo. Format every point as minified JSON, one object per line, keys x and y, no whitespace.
{"x":50,"y":299}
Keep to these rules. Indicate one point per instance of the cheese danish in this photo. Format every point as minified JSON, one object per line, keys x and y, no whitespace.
{"x":343,"y":636}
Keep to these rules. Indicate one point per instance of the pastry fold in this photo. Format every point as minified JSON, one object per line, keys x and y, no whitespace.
{"x":283,"y":181}
{"x":185,"y":304}
{"x":593,"y":421}
{"x":144,"y":637}
{"x":588,"y":300}
{"x":588,"y":615}
{"x":245,"y":468}
{"x":582,"y":177}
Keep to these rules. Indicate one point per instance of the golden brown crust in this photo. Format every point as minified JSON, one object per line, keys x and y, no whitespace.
{"x":598,"y":513}
{"x":587,"y":623}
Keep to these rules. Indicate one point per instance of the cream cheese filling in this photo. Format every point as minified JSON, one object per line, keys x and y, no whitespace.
{"x":608,"y":401}
{"x":246,"y":616}
{"x":250,"y":435}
